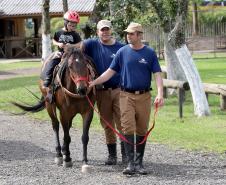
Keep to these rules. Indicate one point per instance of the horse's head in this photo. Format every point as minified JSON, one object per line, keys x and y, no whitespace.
{"x":78,"y":71}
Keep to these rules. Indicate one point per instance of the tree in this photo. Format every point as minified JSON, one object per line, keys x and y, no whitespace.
{"x":65,"y":6}
{"x":46,"y":38}
{"x":180,"y":66}
{"x":121,"y":13}
{"x":195,"y":25}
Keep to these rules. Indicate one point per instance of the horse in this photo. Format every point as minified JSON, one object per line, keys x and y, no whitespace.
{"x":70,"y":99}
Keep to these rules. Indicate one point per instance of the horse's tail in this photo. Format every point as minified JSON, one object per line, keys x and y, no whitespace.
{"x":33,"y":108}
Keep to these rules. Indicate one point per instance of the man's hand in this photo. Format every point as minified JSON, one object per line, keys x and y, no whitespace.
{"x":159,"y":100}
{"x":92,"y":84}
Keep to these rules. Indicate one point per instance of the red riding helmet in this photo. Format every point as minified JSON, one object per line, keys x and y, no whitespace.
{"x":72,"y":16}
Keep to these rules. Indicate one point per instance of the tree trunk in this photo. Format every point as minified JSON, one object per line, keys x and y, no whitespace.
{"x":46,"y":38}
{"x":65,"y":6}
{"x":201,"y":107}
{"x":173,"y":67}
{"x":195,"y":25}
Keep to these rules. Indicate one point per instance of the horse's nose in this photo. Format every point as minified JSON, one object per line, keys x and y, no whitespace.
{"x":82,"y":91}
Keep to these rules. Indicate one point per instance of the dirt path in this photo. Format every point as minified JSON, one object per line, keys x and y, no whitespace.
{"x":27,"y":157}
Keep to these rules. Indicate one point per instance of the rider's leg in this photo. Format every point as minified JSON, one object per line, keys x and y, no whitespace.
{"x":48,"y":75}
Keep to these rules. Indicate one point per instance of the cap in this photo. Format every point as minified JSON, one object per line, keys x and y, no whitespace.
{"x":133,"y":27}
{"x":103,"y":24}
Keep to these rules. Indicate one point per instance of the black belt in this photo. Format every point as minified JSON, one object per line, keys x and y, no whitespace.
{"x":135,"y":92}
{"x":106,"y":88}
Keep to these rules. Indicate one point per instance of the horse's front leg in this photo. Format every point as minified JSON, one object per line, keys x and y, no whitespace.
{"x":87,"y":118}
{"x":66,"y":124}
{"x":51,"y":109}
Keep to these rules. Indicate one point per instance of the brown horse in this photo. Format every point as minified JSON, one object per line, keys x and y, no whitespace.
{"x":71,"y":99}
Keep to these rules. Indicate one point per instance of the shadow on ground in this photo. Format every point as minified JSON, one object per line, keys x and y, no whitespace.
{"x":21,"y":150}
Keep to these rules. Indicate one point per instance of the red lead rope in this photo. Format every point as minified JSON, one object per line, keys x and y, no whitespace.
{"x":122,"y":137}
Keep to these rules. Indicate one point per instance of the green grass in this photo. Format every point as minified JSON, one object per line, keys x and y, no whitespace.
{"x":19,"y":65}
{"x":209,"y":55}
{"x":214,"y":71}
{"x":191,"y":133}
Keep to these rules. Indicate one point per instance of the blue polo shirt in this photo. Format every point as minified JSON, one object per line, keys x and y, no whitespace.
{"x":135,"y":67}
{"x":102,"y":56}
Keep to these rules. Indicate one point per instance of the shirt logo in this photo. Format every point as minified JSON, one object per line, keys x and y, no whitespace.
{"x":66,"y":38}
{"x":113,"y":55}
{"x":142,"y":61}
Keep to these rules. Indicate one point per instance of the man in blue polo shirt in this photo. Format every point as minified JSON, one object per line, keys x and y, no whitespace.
{"x":135,"y":63}
{"x":102,"y":50}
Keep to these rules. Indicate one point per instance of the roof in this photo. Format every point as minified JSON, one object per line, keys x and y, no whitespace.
{"x":26,"y":8}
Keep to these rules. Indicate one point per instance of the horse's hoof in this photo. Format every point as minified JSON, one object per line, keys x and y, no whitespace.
{"x":86,"y":168}
{"x":67,"y":164}
{"x":58,"y":160}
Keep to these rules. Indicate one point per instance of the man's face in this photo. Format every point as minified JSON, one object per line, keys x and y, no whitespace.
{"x":133,"y":38}
{"x":104,"y":34}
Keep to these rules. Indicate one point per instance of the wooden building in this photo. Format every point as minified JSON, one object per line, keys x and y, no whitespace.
{"x":16,"y":15}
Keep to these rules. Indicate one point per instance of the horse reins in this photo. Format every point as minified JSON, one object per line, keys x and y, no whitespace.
{"x":75,"y":80}
{"x":121,"y":136}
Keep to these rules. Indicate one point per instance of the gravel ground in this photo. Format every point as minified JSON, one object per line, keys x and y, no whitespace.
{"x":27,"y":157}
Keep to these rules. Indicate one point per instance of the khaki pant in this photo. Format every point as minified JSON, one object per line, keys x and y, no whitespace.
{"x":108,"y":106}
{"x":135,"y":112}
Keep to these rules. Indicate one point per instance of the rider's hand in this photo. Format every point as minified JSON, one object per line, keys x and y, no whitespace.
{"x":57,"y":55}
{"x":61,"y":45}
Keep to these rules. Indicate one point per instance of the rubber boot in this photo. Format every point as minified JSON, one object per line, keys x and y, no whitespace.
{"x":139,"y":168}
{"x":129,"y":148}
{"x":123,"y":152}
{"x":112,"y":157}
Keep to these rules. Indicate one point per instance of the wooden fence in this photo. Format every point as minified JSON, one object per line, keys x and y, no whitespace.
{"x":181,"y":87}
{"x":211,"y":37}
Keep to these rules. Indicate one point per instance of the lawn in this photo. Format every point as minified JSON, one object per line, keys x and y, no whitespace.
{"x":19,"y":65}
{"x":206,"y":134}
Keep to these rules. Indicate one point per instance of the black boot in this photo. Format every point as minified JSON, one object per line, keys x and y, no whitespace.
{"x":139,"y":168}
{"x":112,"y":157}
{"x":123,"y":152}
{"x":129,"y":148}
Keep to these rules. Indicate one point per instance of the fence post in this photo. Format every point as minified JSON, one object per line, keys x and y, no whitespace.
{"x":181,"y":98}
{"x":222,"y":102}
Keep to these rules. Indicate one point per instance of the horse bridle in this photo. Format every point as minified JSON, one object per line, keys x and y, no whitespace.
{"x":81,"y":78}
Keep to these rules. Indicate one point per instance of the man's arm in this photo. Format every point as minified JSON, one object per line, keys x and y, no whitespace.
{"x":77,"y":45}
{"x":159,"y":83}
{"x":59,"y":44}
{"x":103,"y":78}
